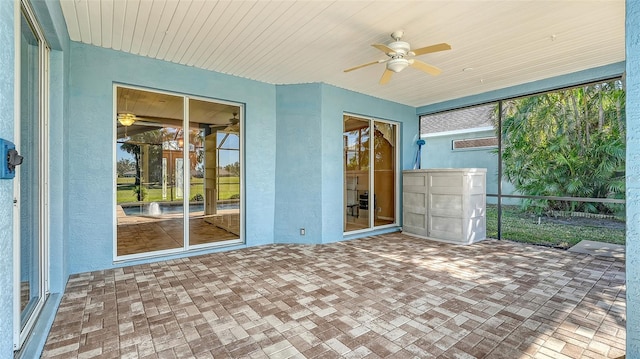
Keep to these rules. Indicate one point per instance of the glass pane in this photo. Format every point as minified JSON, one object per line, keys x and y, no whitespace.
{"x":384,"y":172}
{"x":149,"y":172}
{"x":29,"y":173}
{"x":356,"y":173}
{"x":214,"y":152}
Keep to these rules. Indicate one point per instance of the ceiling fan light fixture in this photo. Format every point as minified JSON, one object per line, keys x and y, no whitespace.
{"x":126,"y":119}
{"x":397,"y":65}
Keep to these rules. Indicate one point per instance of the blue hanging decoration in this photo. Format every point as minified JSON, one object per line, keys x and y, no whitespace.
{"x":416,"y":164}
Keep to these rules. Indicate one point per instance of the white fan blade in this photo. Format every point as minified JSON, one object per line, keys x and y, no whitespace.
{"x":386,"y":76}
{"x":365,"y":65}
{"x":430,"y":69}
{"x":433,"y":48}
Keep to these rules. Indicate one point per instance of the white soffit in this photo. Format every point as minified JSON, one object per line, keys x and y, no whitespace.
{"x":500,"y":43}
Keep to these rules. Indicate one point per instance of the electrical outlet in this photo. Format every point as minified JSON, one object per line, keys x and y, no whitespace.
{"x":302,"y":231}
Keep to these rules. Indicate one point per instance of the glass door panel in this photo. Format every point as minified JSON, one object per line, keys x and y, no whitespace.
{"x":31,"y":182}
{"x":214,"y":153}
{"x":29,"y":174}
{"x":356,"y":137}
{"x":384,"y":172}
{"x":149,"y":172}
{"x":369,"y":165}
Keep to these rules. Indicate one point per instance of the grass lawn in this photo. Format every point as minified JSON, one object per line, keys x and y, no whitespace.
{"x":229,"y":186}
{"x":554,"y":232}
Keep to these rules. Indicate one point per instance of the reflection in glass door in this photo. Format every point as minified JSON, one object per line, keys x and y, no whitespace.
{"x":31,"y":192}
{"x":149,"y":167}
{"x":370,"y":173}
{"x":356,"y":167}
{"x":384,"y":171}
{"x":166,"y":173}
{"x":214,"y":214}
{"x":29,"y":174}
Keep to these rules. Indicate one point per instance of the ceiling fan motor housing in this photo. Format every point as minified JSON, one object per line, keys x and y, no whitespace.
{"x":401,"y":48}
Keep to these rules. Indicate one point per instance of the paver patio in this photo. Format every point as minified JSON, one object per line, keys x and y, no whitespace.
{"x":385,"y":296}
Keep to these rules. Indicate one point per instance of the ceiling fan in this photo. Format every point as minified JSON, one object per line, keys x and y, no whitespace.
{"x":398,"y":53}
{"x":233,"y":125}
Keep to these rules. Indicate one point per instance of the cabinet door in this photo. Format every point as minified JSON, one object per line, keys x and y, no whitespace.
{"x":445,"y":205}
{"x":414,"y":199}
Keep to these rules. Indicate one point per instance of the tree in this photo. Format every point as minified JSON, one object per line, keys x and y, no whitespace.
{"x":567,"y":143}
{"x":358,"y":149}
{"x":123,"y":166}
{"x":153,"y":140}
{"x":233,"y":169}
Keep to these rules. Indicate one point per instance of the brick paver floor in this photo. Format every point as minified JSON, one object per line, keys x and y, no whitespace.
{"x":375,"y":297}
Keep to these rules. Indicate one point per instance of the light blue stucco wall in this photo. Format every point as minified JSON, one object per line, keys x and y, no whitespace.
{"x":57,"y":139}
{"x":633,"y":177}
{"x":89,"y":129}
{"x":309,"y":175}
{"x":292,"y":133}
{"x":7,"y":64}
{"x":336,"y":102}
{"x":299,"y":164}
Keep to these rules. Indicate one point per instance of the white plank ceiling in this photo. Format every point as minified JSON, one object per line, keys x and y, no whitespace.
{"x":500,"y":43}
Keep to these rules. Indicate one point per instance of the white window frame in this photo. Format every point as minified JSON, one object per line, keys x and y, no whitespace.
{"x":186,"y":247}
{"x":397,"y":175}
{"x":472,"y":148}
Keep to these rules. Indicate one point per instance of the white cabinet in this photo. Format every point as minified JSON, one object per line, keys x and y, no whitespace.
{"x":446,"y":204}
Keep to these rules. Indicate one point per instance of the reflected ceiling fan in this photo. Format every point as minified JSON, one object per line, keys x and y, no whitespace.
{"x":399,"y":53}
{"x":233,"y":126}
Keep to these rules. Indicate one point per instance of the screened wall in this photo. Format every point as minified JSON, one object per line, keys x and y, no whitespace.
{"x":555,"y":162}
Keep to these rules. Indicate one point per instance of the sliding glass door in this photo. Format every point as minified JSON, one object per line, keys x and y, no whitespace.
{"x":177,"y":172}
{"x":30,"y":186}
{"x":370,"y":173}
